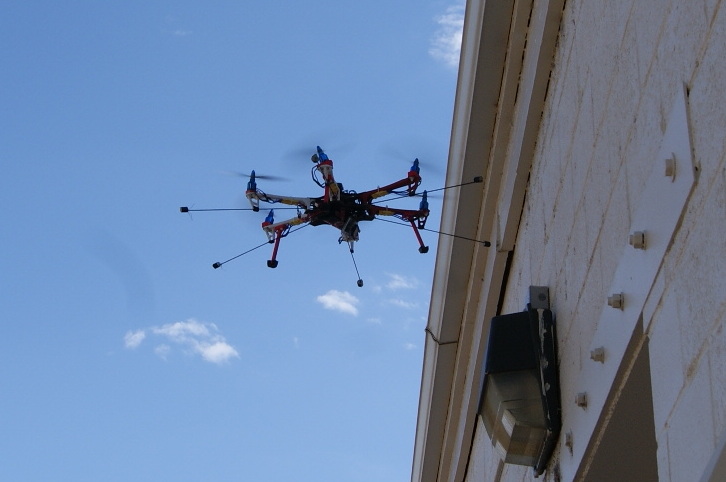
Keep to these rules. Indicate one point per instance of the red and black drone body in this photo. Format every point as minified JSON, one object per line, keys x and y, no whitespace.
{"x":337,"y":207}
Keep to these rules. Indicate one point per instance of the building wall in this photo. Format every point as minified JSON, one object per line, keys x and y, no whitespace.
{"x":620,"y":68}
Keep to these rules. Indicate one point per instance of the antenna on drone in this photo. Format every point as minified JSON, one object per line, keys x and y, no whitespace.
{"x":185,"y":209}
{"x":476,"y":180}
{"x":480,"y":241}
{"x":355,"y":265}
{"x":219,"y":264}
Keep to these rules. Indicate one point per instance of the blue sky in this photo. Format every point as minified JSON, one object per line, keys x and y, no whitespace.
{"x":124,"y":355}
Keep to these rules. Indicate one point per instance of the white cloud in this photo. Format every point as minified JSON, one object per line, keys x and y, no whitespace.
{"x":446,"y":44}
{"x":339,"y":301}
{"x":398,"y":282}
{"x":162,"y":351}
{"x":216,"y":352}
{"x":132,"y":339}
{"x":182,"y":331}
{"x":409,"y":346}
{"x":409,"y":305}
{"x":191,"y":336}
{"x":172,"y":27}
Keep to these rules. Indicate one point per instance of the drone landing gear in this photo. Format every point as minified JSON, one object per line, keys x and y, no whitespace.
{"x":272,"y":263}
{"x":355,"y":265}
{"x":422,"y":249}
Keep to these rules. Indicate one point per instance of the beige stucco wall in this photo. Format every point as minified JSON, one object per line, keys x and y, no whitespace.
{"x":619,"y":69}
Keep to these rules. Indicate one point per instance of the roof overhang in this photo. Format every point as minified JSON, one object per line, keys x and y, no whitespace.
{"x":504,"y":70}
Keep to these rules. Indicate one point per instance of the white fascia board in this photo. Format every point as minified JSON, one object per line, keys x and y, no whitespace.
{"x":438,"y":363}
{"x":468,"y":278}
{"x":474,"y":116}
{"x":527,"y":72}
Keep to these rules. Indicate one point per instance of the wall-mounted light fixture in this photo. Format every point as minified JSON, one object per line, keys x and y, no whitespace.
{"x":520,"y":403}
